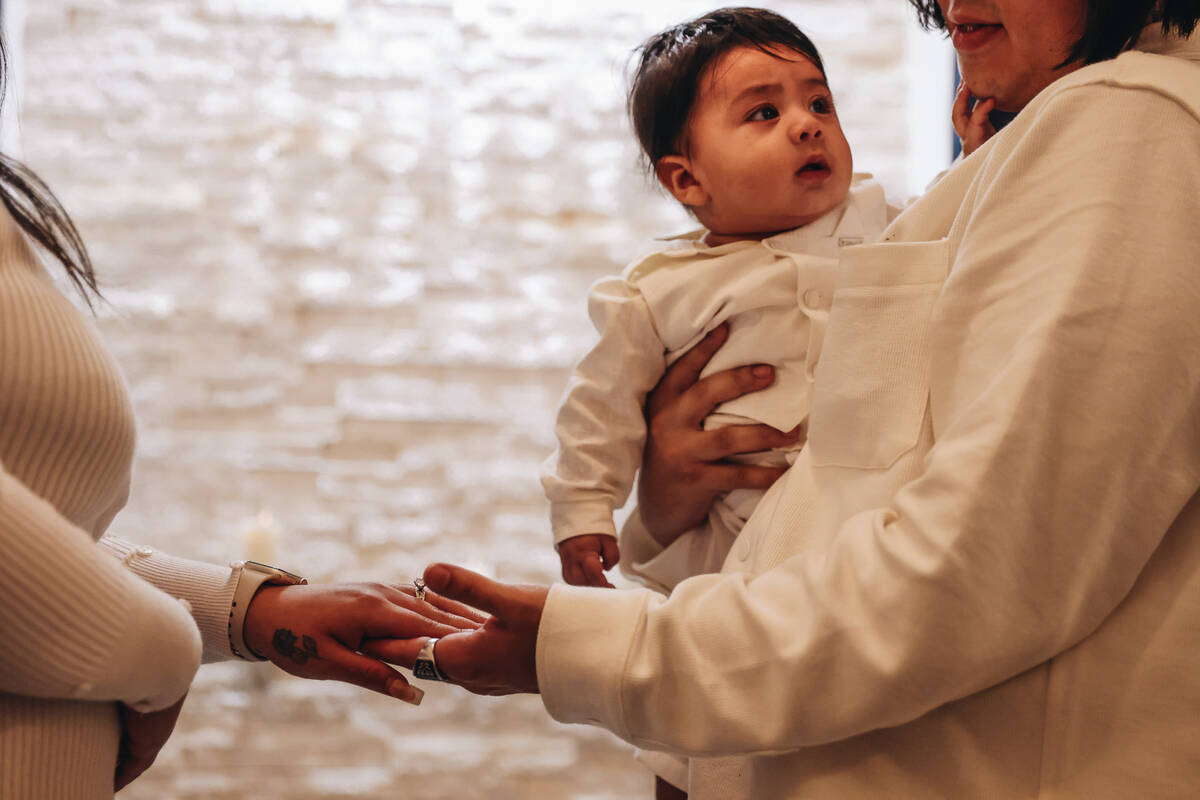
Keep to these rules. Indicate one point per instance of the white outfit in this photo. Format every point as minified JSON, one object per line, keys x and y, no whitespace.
{"x":775,"y":293}
{"x":981,"y":579}
{"x":79,"y":627}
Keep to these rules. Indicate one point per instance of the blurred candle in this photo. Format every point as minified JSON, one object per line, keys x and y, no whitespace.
{"x":260,"y":538}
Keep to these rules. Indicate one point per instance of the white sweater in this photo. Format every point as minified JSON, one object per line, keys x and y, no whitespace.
{"x":79,"y":630}
{"x":980,"y":579}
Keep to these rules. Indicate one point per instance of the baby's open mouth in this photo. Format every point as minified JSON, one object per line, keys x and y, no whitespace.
{"x":814,"y":165}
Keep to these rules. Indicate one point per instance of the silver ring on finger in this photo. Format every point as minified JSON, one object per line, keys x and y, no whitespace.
{"x":426,"y":667}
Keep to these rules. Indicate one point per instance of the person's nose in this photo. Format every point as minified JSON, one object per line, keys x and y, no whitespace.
{"x":804,"y":128}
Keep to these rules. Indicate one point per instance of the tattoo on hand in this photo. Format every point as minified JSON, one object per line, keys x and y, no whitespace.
{"x":285,"y":644}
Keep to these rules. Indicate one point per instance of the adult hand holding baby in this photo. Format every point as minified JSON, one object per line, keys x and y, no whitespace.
{"x":683,"y":468}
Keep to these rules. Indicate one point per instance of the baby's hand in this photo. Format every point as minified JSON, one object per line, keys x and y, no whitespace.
{"x":972,"y":124}
{"x":584,"y":559}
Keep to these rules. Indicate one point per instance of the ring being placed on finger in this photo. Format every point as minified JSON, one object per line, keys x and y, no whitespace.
{"x":419,"y":585}
{"x":425,"y":667}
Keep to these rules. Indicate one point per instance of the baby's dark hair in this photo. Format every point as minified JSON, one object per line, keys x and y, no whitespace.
{"x":671,"y":63}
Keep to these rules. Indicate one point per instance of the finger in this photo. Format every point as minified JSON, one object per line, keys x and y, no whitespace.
{"x":402,"y":652}
{"x":979,"y":115}
{"x":400,"y":623}
{"x":370,"y":673}
{"x":698,"y":402}
{"x":473,"y":589}
{"x":593,"y":570}
{"x":612,"y":553}
{"x":959,"y":112}
{"x":442,"y":609}
{"x":736,"y":439}
{"x":403,"y":606}
{"x":727,"y":477}
{"x":686,"y":370}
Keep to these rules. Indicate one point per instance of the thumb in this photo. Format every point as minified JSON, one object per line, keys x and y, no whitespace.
{"x":612,"y":553}
{"x":471,"y":588}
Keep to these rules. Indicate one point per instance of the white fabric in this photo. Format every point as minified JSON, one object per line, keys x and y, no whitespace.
{"x":982,"y":577}
{"x":775,"y":294}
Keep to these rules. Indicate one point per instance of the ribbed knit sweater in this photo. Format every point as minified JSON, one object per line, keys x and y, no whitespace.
{"x":85,"y":623}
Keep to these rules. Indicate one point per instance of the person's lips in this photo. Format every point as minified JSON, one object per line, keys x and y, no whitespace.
{"x":967,"y":36}
{"x":815,"y":168}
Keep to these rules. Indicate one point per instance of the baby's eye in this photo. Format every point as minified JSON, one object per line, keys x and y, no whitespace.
{"x":821,"y":105}
{"x":762,"y":114}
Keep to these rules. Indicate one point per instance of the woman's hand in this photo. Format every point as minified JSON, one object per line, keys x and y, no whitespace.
{"x":972,"y":124}
{"x":142,"y":736}
{"x":321,"y":631}
{"x":495,"y":658}
{"x":683,"y":469}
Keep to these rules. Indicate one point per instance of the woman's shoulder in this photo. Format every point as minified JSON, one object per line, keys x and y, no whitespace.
{"x":1135,"y":77}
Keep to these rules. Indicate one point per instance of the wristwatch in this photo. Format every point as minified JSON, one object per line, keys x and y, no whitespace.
{"x":251,"y":577}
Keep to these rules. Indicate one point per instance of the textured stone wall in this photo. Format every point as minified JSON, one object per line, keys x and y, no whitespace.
{"x":346,"y":245}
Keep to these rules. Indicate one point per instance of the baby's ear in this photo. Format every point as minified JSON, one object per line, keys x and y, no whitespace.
{"x":675,"y":174}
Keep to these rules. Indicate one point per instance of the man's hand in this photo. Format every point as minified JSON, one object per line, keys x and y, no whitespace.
{"x":497,"y":657}
{"x":142,"y":736}
{"x":972,"y":124}
{"x":321,"y":631}
{"x":683,"y":468}
{"x":585,"y":558}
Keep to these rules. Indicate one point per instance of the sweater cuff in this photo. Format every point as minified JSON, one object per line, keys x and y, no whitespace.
{"x":207,"y":588}
{"x":581,"y":517}
{"x":582,"y":648}
{"x":699,"y":551}
{"x":638,"y":547}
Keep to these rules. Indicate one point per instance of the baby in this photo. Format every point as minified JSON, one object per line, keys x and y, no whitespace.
{"x":736,"y":119}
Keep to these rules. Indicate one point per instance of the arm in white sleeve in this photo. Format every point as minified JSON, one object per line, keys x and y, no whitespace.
{"x":1065,"y":405}
{"x":207,"y":588}
{"x":601,"y":429}
{"x":75,"y":623}
{"x":695,"y":552}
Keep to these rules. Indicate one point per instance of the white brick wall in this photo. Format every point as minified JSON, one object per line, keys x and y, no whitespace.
{"x":347,"y":244}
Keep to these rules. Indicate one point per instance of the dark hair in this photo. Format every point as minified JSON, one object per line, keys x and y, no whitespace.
{"x":1110,"y":26}
{"x":41,"y":215}
{"x":664,"y":86}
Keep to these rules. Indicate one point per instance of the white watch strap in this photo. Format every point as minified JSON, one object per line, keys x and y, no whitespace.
{"x":251,"y":577}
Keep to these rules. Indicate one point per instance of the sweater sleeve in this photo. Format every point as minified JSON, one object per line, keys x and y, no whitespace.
{"x":1065,"y":402}
{"x":600,"y":427}
{"x":75,"y":623}
{"x":207,"y":588}
{"x":695,"y":552}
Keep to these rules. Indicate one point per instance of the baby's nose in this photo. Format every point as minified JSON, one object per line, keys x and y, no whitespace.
{"x":806,"y":128}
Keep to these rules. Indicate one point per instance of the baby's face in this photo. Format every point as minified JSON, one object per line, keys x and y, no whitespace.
{"x":765,"y":143}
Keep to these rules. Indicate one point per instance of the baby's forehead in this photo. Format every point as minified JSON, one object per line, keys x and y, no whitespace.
{"x":745,"y":65}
